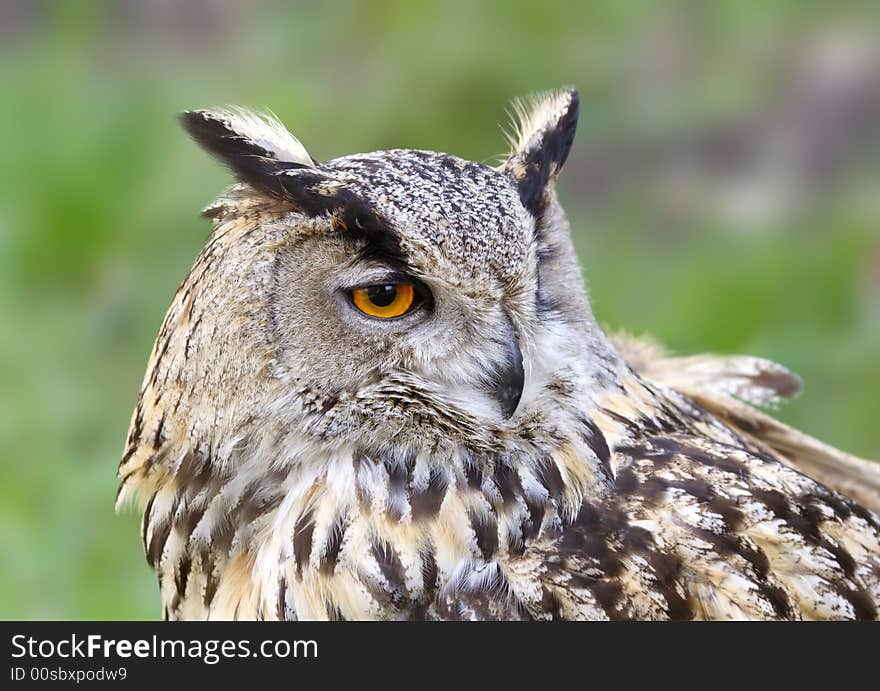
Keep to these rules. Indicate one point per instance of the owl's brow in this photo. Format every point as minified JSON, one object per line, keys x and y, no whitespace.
{"x":359,"y":221}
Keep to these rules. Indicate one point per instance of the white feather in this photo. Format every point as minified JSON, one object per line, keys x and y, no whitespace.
{"x":530,"y":116}
{"x":267,"y":132}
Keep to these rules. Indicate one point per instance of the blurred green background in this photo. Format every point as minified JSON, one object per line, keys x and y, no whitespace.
{"x":724,"y":191}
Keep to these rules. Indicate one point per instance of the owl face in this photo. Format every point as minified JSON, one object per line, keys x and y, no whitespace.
{"x":436,"y":282}
{"x":373,"y":298}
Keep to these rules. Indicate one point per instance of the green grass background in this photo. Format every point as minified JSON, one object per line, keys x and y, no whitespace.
{"x":100,"y":194}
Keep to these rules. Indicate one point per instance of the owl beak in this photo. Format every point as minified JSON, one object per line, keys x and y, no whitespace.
{"x":509,"y":378}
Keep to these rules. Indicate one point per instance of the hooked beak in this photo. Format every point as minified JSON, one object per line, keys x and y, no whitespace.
{"x":509,"y":377}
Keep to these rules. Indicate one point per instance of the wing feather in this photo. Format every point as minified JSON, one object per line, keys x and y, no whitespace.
{"x":728,"y":387}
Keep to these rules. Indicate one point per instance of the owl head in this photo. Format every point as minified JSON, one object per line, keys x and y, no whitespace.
{"x":399,"y":298}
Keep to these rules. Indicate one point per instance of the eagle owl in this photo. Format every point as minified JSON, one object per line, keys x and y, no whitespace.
{"x":380,"y":393}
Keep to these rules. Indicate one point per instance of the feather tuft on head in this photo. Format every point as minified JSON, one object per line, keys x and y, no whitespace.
{"x":262,"y":130}
{"x":530,"y":116}
{"x":542,"y":132}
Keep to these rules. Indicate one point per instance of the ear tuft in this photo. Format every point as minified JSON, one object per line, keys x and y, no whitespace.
{"x":543,"y":131}
{"x":255,"y":147}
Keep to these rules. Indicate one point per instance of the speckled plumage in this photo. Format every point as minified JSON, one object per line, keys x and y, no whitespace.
{"x":297,"y":460}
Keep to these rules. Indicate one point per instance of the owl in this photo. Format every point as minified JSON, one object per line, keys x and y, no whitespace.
{"x":381,"y":393}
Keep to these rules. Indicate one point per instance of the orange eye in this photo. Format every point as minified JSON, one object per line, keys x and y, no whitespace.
{"x":384,"y":301}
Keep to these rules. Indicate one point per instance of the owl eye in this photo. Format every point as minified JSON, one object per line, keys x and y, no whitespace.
{"x":384,"y":301}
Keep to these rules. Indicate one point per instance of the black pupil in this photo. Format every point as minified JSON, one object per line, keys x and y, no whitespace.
{"x":382,"y":296}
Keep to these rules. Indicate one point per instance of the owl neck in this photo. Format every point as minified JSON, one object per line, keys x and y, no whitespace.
{"x":365,"y":531}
